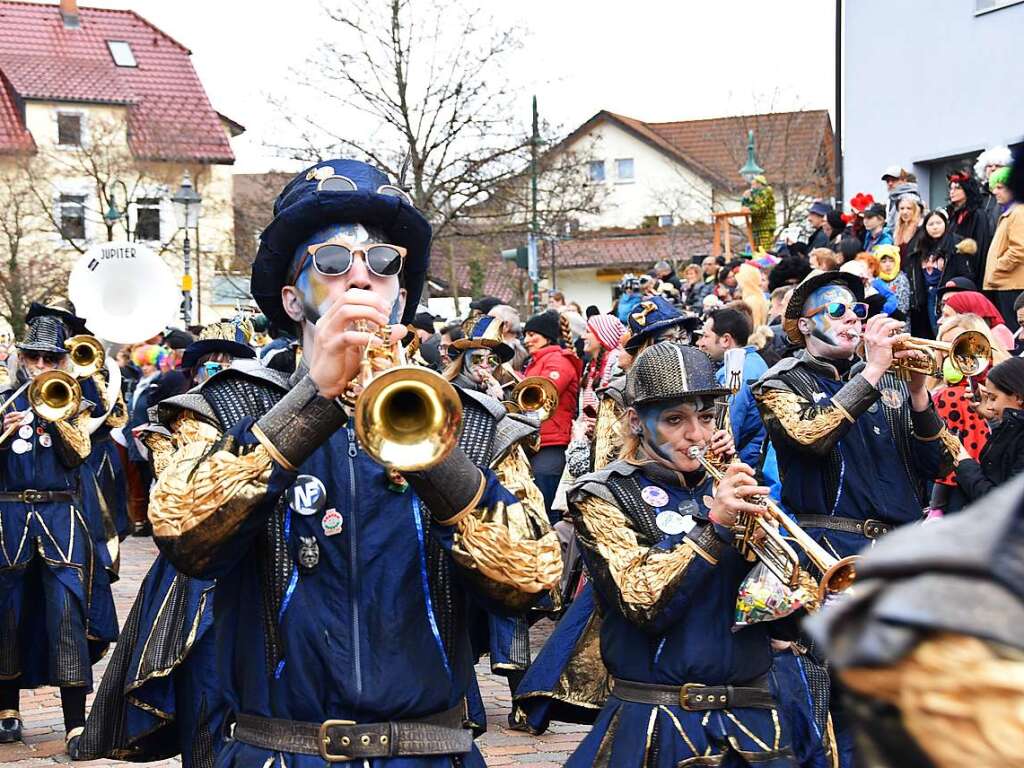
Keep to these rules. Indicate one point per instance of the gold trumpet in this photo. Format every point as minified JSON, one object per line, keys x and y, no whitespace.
{"x":52,"y":395}
{"x":86,"y":354}
{"x":534,"y":394}
{"x":969,"y":352}
{"x":838,"y":574}
{"x":406,"y":417}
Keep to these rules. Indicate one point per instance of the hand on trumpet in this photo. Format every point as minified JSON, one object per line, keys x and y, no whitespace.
{"x":735,"y":495}
{"x":882,"y":337}
{"x":491,"y":385}
{"x":338,"y":346}
{"x":722,"y":446}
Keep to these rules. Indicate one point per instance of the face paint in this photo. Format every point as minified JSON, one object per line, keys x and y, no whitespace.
{"x":650,"y":416}
{"x":826,"y":327}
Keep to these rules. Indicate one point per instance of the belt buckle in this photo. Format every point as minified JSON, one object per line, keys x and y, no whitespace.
{"x":324,"y":741}
{"x":684,"y":697}
{"x":32,"y":497}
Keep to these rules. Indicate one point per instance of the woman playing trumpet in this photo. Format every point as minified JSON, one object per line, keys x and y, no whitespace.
{"x":659,"y":551}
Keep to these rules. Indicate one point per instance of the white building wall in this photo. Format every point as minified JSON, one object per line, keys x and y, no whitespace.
{"x":961,"y":74}
{"x":659,"y":185}
{"x":583,"y":287}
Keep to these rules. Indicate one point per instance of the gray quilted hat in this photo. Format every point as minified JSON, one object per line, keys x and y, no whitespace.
{"x":671,"y":371}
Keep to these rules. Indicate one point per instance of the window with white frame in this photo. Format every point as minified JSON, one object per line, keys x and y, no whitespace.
{"x":122,"y":54}
{"x":595,"y":170}
{"x":71,"y":215}
{"x":665,"y":220}
{"x":624,"y":169}
{"x":69,"y":129}
{"x":147,"y":219}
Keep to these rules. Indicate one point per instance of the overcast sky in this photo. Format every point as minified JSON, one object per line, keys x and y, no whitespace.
{"x":650,"y":59}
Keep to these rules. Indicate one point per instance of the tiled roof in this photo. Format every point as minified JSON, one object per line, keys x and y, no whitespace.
{"x":625,"y":249}
{"x":14,"y":138}
{"x":791,"y":146}
{"x":169,"y":114}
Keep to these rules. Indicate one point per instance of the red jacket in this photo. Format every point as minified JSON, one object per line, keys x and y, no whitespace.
{"x":563,"y":368}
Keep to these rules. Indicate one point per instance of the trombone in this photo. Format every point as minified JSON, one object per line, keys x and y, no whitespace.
{"x":838,"y":574}
{"x":406,"y":417}
{"x":86,"y":354}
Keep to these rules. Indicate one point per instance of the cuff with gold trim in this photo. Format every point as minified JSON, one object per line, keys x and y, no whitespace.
{"x":451,"y":489}
{"x":299,"y":424}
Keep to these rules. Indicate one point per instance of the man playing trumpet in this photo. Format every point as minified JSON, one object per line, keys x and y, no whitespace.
{"x":56,"y":609}
{"x":341,"y":596}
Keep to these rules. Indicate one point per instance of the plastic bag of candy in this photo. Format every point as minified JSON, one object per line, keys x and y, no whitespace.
{"x":763,"y":597}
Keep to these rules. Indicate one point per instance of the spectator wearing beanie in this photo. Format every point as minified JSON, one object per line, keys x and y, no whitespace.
{"x":1003,"y":456}
{"x":602,"y":347}
{"x":563,"y":368}
{"x":1004,"y":267}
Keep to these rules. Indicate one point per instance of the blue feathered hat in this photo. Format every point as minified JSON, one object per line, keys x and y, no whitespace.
{"x":301,"y":210}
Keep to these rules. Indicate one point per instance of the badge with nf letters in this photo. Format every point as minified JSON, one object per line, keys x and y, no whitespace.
{"x":892,"y":398}
{"x":307,"y":496}
{"x":654,"y":496}
{"x":332,"y":522}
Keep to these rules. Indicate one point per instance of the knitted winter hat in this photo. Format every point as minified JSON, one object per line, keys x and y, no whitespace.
{"x":607,"y":329}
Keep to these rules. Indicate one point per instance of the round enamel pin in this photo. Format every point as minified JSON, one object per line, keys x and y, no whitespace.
{"x":45,"y":440}
{"x":671,"y":522}
{"x":654,"y":496}
{"x":25,"y":432}
{"x":307,"y":496}
{"x":332,"y":522}
{"x":20,"y":446}
{"x":892,"y":398}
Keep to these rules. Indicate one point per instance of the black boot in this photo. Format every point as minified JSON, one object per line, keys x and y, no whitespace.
{"x":71,"y":742}
{"x":10,"y":727}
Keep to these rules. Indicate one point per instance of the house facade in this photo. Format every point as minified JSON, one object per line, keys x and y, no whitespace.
{"x":101,"y":116}
{"x":948,"y":113}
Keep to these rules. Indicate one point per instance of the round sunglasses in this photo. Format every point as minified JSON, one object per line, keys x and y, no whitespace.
{"x":336,"y":258}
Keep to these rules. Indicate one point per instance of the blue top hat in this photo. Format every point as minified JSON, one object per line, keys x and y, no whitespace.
{"x":224,"y":338}
{"x":652,"y":316}
{"x":303,"y":208}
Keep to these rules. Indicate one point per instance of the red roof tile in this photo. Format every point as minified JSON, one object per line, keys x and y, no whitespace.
{"x":169,"y":114}
{"x":14,"y":138}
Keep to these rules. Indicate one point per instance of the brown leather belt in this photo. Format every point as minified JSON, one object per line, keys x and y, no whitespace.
{"x":871,"y":529}
{"x":36,"y":497}
{"x":695,"y":697}
{"x":338,"y":740}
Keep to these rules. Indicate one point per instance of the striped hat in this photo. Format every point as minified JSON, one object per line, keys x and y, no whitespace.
{"x":607,"y":329}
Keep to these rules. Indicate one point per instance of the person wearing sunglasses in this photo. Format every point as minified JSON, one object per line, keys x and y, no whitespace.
{"x":479,"y":358}
{"x":340,"y":619}
{"x":54,"y":586}
{"x":856,"y":445}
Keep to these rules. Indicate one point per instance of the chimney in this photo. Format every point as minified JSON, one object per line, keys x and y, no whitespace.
{"x":69,"y":13}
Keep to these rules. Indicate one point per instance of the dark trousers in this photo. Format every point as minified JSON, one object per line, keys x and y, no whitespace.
{"x":72,"y":702}
{"x":1004,"y":303}
{"x":547,"y":464}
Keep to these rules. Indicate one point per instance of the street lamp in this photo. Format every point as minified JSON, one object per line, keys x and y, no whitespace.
{"x":750,"y":169}
{"x":187,"y":205}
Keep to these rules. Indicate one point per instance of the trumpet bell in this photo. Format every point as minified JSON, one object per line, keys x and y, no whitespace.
{"x":87,"y":355}
{"x":408,"y":418}
{"x":838,"y":577}
{"x":971,"y":352}
{"x":535,"y":394}
{"x":54,"y":396}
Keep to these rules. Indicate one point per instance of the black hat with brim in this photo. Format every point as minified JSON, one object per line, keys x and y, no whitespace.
{"x":301,"y":210}
{"x":197,"y":350}
{"x":669,"y":371}
{"x":45,"y":334}
{"x":814,"y":281}
{"x":956,"y":285}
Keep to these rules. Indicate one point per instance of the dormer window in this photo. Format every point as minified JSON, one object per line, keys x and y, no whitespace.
{"x":122,"y":54}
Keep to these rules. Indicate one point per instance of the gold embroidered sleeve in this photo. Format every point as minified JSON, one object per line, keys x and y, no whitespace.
{"x":509,"y":554}
{"x":206,"y":490}
{"x":74,"y":436}
{"x":515,"y":474}
{"x":607,"y":433}
{"x":641,"y":577}
{"x":161,"y":448}
{"x":118,"y":412}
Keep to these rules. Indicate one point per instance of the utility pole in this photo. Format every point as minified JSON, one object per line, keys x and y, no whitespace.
{"x":837,"y":135}
{"x":532,"y":243}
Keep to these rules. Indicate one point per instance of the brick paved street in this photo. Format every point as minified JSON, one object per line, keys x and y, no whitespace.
{"x":44,"y":731}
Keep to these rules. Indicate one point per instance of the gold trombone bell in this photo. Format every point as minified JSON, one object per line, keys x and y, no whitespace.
{"x":86,"y":354}
{"x":53,"y":396}
{"x":534,"y":394}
